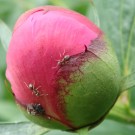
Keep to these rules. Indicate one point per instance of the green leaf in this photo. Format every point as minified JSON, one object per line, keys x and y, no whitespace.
{"x":77,"y":5}
{"x":108,"y":127}
{"x":4,"y":93}
{"x":92,"y":13}
{"x":116,"y":20}
{"x":131,"y":97}
{"x":21,"y":128}
{"x":10,"y":112}
{"x":5,"y":35}
{"x":113,"y":128}
{"x":83,"y":131}
{"x":4,"y":85}
{"x":128,"y":82}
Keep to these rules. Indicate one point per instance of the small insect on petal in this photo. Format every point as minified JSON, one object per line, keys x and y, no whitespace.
{"x":34,"y":89}
{"x":64,"y":60}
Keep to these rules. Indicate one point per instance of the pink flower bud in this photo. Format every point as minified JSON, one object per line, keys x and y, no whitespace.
{"x":63,"y":73}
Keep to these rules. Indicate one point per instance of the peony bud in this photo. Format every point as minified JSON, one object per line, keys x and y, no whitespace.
{"x":63,"y":73}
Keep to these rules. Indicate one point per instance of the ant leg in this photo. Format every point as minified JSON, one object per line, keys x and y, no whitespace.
{"x":38,"y":88}
{"x":44,"y":95}
{"x":54,"y":67}
{"x":26,"y":84}
{"x":33,"y":85}
{"x":58,"y":61}
{"x":64,"y":52}
{"x":60,"y":55}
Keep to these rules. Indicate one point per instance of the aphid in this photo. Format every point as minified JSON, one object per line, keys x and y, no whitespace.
{"x":33,"y":89}
{"x":35,"y":109}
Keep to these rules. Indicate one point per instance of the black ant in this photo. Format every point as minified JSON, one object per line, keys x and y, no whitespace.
{"x":34,"y":90}
{"x":63,"y":61}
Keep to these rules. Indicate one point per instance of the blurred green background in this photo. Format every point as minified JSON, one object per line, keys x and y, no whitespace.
{"x":116,"y":19}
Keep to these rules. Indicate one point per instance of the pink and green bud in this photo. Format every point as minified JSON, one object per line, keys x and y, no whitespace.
{"x":63,"y":73}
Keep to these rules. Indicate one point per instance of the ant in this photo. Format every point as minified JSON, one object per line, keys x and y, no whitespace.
{"x":63,"y":61}
{"x":34,"y":90}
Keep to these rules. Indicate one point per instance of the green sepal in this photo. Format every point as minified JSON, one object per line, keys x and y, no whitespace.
{"x":95,"y":90}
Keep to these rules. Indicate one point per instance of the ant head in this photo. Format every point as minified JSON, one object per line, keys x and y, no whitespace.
{"x":66,"y":57}
{"x":31,"y":86}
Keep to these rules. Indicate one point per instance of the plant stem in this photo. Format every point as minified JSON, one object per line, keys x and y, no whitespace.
{"x":122,"y":113}
{"x":83,"y":131}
